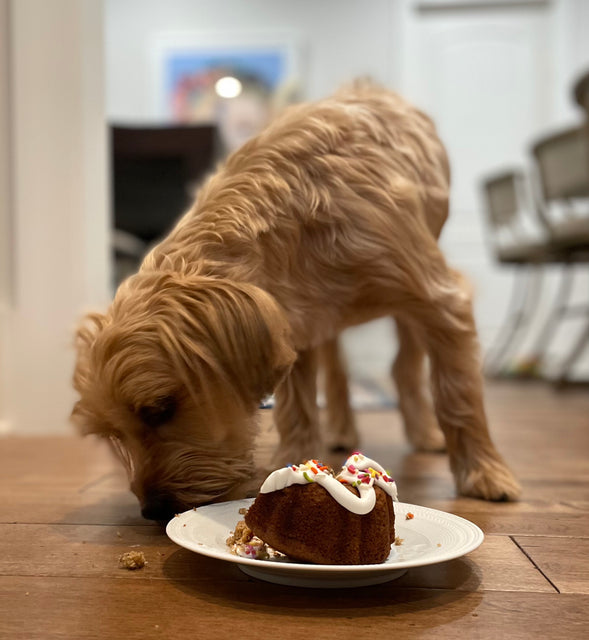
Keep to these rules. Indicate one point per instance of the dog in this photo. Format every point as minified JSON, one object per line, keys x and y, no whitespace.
{"x":327,"y":219}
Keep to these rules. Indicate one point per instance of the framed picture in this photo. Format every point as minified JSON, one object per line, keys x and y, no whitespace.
{"x":237,"y":81}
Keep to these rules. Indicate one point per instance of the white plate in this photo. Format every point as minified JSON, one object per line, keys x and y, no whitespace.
{"x":431,"y":536}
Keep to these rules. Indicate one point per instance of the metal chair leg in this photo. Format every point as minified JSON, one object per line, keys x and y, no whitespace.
{"x":524,"y":299}
{"x":574,"y":354}
{"x":559,"y":310}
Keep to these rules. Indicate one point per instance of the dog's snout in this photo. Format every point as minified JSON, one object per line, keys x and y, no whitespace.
{"x":157,"y":506}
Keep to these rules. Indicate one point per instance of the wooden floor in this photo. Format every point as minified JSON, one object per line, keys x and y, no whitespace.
{"x":66,"y":517}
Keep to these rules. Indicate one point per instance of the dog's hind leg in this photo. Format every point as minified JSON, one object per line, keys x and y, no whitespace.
{"x":341,"y":428}
{"x":451,"y":339}
{"x":296,"y":414}
{"x":441,"y":311}
{"x":415,"y":402}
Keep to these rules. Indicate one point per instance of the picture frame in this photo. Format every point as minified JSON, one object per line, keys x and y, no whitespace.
{"x":262,"y":72}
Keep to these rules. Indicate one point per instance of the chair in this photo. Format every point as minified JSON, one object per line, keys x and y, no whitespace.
{"x":154,"y":173}
{"x":562,"y":170}
{"x":513,"y":243}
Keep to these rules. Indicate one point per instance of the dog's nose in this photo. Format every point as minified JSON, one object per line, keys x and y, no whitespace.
{"x":158,"y":507}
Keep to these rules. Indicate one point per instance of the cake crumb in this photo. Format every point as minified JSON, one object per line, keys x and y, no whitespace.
{"x":409,"y":516}
{"x":398,"y":541}
{"x":439,"y":544}
{"x":243,"y":511}
{"x":242,"y":542}
{"x":241,"y":535}
{"x":132,"y":560}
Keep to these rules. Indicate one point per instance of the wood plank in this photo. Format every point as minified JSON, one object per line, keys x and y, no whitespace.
{"x":93,"y":551}
{"x":52,"y":608}
{"x":497,"y":565}
{"x":565,"y":561}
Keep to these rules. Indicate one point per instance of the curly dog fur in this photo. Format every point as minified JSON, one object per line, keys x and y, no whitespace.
{"x":327,"y":219}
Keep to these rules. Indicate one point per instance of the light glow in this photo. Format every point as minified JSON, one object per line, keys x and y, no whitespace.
{"x":228,"y":87}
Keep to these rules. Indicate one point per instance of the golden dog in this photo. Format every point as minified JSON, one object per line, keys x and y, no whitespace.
{"x":327,"y":219}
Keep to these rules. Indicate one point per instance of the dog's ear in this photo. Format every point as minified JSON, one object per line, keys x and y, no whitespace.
{"x":84,"y":337}
{"x":233,"y":331}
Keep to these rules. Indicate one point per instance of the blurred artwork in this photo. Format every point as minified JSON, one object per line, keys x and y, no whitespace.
{"x":239,"y":90}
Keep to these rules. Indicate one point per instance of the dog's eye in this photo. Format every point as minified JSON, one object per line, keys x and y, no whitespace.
{"x":158,"y":413}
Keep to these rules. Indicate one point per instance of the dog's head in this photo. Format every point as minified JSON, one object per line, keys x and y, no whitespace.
{"x":172,"y":376}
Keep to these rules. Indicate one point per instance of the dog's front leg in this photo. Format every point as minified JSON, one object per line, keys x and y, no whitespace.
{"x":341,"y":432}
{"x":296,"y":414}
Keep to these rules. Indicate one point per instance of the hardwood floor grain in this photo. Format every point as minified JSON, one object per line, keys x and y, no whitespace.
{"x":66,"y":516}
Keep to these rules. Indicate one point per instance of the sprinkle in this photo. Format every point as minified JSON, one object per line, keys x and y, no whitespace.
{"x":409,"y":516}
{"x":307,"y":477}
{"x":314,"y":470}
{"x":351,"y":468}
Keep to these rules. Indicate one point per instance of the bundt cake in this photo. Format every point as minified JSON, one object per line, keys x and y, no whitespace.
{"x":312,"y":515}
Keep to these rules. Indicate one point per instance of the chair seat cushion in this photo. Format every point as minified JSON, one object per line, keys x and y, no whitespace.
{"x":572,"y":231}
{"x":524,"y":251}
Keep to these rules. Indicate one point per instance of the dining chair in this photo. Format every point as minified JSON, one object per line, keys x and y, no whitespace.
{"x":514,"y":242}
{"x":154,"y":173}
{"x":562,"y":202}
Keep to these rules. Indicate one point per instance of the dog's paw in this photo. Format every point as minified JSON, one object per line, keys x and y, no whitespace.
{"x":491,"y":479}
{"x":430,"y":440}
{"x":425,"y":434}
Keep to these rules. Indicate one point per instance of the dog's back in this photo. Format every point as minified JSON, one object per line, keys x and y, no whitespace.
{"x":350,"y":179}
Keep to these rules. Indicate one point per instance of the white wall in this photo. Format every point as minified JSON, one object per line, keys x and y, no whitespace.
{"x":5,"y":205}
{"x":58,"y":227}
{"x":340,"y":40}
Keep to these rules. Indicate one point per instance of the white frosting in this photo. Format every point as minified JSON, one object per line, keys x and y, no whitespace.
{"x":358,"y":471}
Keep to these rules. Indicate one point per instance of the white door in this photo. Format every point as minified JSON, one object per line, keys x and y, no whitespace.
{"x":487,"y":74}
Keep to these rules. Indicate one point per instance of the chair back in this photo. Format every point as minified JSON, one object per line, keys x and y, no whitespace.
{"x":153,"y":171}
{"x":562,"y":161}
{"x":503,"y":196}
